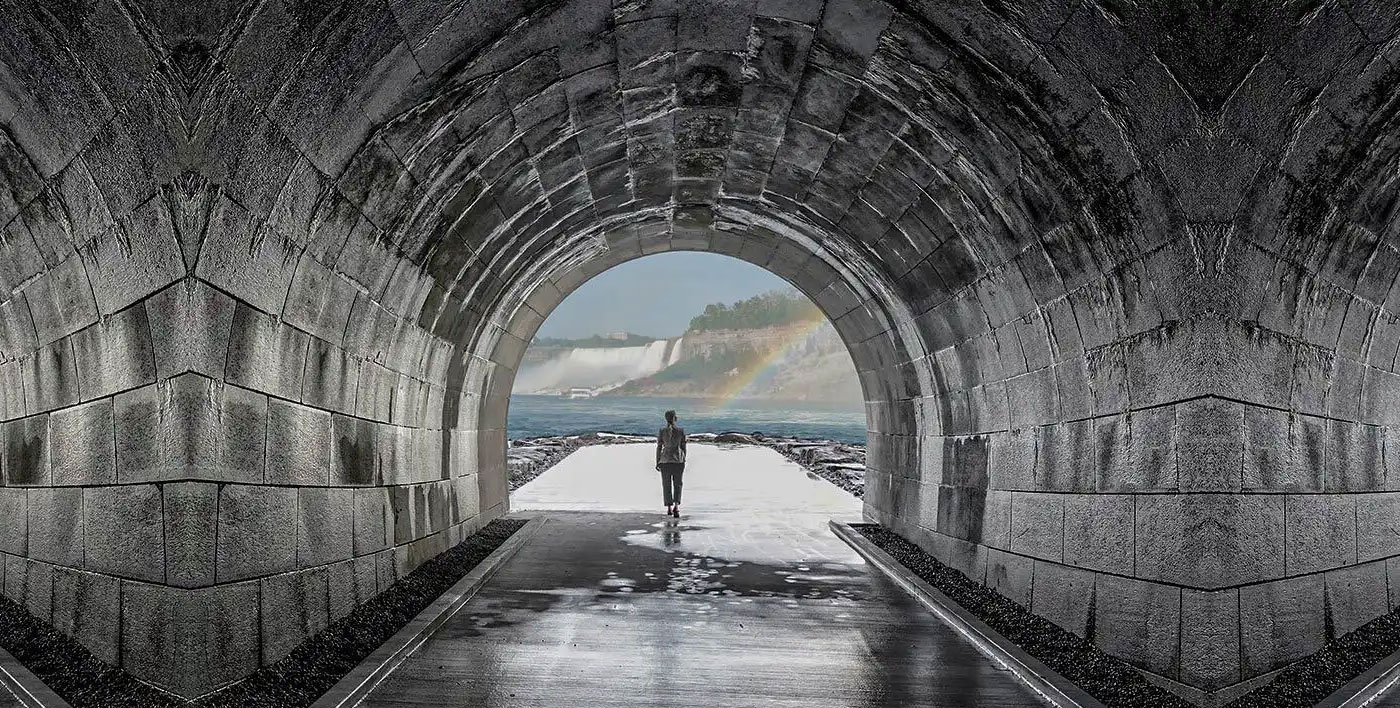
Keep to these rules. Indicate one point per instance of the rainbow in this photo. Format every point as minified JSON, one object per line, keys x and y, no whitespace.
{"x":739,"y":383}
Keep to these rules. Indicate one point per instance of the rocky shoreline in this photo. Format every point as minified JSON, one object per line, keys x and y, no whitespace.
{"x":842,"y":464}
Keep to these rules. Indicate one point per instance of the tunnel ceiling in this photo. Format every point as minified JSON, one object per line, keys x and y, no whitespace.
{"x":985,"y":158}
{"x":276,"y":250}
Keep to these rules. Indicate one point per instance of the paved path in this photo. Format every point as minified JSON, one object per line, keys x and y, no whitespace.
{"x":747,"y":600}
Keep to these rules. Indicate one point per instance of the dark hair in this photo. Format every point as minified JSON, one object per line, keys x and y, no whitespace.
{"x":671,"y":417}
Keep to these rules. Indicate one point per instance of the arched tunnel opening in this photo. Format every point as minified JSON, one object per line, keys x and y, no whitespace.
{"x":715,"y":335}
{"x":1122,"y":306}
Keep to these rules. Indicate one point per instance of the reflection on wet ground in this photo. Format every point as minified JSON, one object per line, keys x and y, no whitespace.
{"x":744,"y":601}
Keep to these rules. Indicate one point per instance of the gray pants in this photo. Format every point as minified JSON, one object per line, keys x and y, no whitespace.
{"x":671,"y":482}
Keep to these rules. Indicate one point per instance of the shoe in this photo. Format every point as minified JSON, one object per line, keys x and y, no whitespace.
{"x":676,"y":511}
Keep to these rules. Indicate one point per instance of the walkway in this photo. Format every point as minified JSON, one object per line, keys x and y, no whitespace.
{"x":747,"y":600}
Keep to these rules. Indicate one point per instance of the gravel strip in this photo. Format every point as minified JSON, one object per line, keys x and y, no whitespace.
{"x":295,"y":681}
{"x":71,"y":670}
{"x":1108,"y":679}
{"x":1312,"y":679}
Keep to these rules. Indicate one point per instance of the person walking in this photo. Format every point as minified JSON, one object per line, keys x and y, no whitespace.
{"x":670,"y":462}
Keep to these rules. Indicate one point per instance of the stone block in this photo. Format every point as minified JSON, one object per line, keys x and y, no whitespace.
{"x":1108,"y":379}
{"x":1267,"y":451}
{"x":125,"y":531}
{"x":374,"y":520}
{"x":331,"y":377}
{"x":385,"y":569}
{"x":194,"y":439}
{"x":264,"y":355}
{"x":191,"y":523}
{"x":1321,"y":532}
{"x":14,"y":521}
{"x":37,"y":583}
{"x":961,"y":510}
{"x":148,"y":446}
{"x":1065,"y":457}
{"x":1307,"y":453}
{"x":87,"y":607}
{"x":1011,"y":575}
{"x":1063,"y":595}
{"x":1099,"y":532}
{"x":325,"y":530}
{"x":354,"y":452}
{"x":298,"y":444}
{"x":17,"y":337}
{"x":1038,"y":524}
{"x":1210,"y":638}
{"x":189,"y":642}
{"x":1210,"y":445}
{"x":1011,"y":460}
{"x":257,"y":532}
{"x":1209,"y":541}
{"x":1354,"y":458}
{"x":134,"y":259}
{"x":56,"y":525}
{"x":996,"y":519}
{"x":114,"y":355}
{"x":61,"y":301}
{"x":1355,"y":595}
{"x":241,"y":432}
{"x":319,"y":301}
{"x":245,"y":258}
{"x":1280,"y":622}
{"x":50,"y":377}
{"x":366,"y":578}
{"x":1139,"y":622}
{"x":83,"y":450}
{"x":1113,"y":468}
{"x":12,"y":404}
{"x":190,"y":324}
{"x":1154,"y":456}
{"x":27,"y":451}
{"x":231,"y":632}
{"x":342,"y":590}
{"x":1392,"y":575}
{"x":1377,"y":526}
{"x":16,"y":572}
{"x":374,"y":392}
{"x":295,"y":607}
{"x":1033,"y":399}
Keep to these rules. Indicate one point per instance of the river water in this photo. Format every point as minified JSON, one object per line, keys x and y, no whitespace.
{"x":535,"y":416}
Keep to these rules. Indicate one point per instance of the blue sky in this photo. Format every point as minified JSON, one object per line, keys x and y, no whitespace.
{"x":656,"y":295}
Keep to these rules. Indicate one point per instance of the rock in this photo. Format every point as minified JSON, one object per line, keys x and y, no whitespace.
{"x":735,"y":438}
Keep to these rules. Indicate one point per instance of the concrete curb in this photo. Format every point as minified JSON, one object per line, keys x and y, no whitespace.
{"x":26,"y":687}
{"x":1051,"y":686}
{"x":355,"y":686}
{"x":1368,"y":687}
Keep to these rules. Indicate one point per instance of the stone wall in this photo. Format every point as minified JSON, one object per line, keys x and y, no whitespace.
{"x":1116,"y":280}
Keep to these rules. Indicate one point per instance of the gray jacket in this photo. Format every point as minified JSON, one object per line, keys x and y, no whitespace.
{"x":670,"y":445}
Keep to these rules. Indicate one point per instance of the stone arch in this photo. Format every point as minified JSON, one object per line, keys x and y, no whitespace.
{"x":302,"y":231}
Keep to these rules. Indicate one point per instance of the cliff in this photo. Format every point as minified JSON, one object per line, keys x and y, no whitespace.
{"x":798,"y":362}
{"x":773,"y":346}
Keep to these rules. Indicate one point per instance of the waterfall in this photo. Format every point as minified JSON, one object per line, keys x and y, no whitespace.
{"x":595,"y":367}
{"x":675,"y":354}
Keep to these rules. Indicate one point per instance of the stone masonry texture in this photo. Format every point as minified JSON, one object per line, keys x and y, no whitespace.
{"x":1119,"y":280}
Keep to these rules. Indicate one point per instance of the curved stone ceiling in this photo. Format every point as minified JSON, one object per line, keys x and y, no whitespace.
{"x":1118,"y":279}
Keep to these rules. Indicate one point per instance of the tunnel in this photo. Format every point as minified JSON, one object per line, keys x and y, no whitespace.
{"x":1118,"y":280}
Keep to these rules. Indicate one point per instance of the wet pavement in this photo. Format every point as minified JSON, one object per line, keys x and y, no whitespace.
{"x":746,"y":600}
